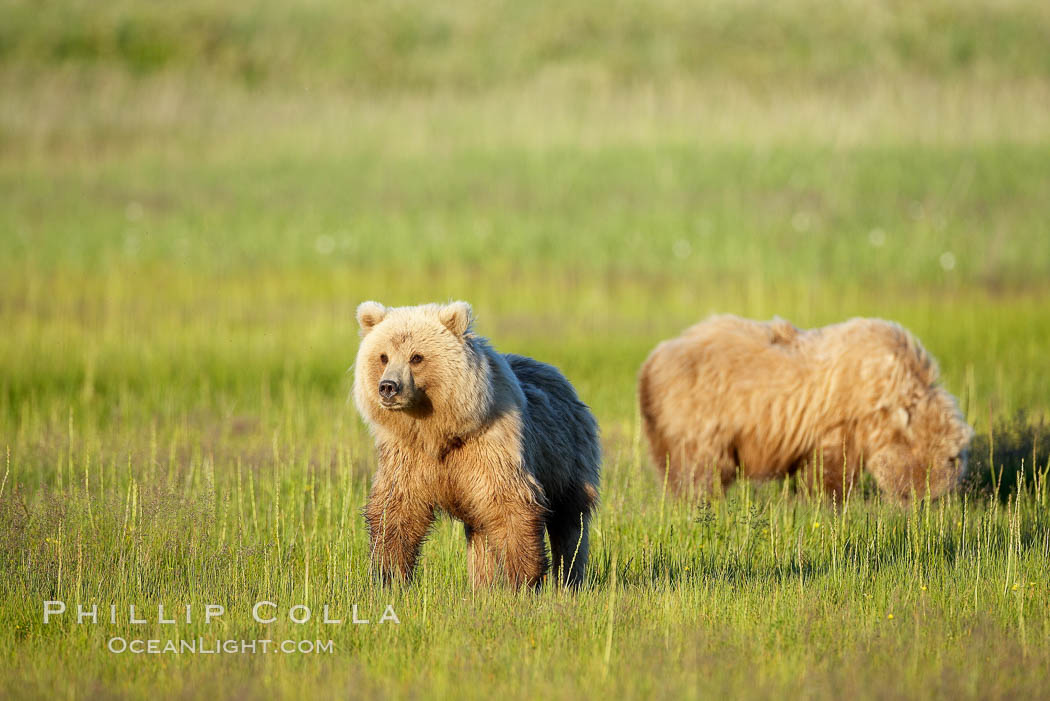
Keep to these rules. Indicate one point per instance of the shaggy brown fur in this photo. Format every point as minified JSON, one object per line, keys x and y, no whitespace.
{"x":768,"y":399}
{"x":500,"y":442}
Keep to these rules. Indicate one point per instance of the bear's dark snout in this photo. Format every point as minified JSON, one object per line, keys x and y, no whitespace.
{"x":388,"y":389}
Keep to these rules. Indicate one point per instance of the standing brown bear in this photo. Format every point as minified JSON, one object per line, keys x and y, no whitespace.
{"x":500,"y":442}
{"x":768,"y":399}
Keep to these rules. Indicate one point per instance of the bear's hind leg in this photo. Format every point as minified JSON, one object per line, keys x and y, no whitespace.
{"x":570,"y":548}
{"x":698,"y":469}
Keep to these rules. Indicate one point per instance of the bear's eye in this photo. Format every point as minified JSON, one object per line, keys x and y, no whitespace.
{"x":416,"y":359}
{"x":383,"y":359}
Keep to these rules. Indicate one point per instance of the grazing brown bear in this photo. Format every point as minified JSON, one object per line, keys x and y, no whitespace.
{"x":500,"y":442}
{"x":768,"y":399}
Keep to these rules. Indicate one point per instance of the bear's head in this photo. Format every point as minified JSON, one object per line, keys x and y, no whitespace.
{"x":418,"y":363}
{"x":929,"y":447}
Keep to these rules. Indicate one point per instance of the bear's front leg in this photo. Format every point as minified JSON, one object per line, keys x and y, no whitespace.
{"x":509,"y":542}
{"x":833,"y":467}
{"x":397,"y":526}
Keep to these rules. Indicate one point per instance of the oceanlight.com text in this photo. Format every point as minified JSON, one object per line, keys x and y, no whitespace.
{"x":201,"y":646}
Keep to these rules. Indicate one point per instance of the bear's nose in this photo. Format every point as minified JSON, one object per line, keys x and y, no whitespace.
{"x":389,"y":389}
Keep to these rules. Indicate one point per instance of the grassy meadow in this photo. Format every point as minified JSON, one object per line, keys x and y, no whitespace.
{"x":195,"y":197}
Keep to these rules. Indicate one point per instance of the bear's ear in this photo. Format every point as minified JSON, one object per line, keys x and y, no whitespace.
{"x":457,"y":317}
{"x":369,"y":314}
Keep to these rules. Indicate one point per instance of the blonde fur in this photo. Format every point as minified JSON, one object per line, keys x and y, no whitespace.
{"x":767,"y":399}
{"x":500,"y":442}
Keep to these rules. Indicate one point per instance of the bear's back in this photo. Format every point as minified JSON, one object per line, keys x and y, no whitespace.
{"x":735,"y":349}
{"x":540,"y":380}
{"x":875,"y":343}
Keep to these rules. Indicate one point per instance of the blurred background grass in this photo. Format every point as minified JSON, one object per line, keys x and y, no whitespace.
{"x":195,"y":196}
{"x":202,"y":192}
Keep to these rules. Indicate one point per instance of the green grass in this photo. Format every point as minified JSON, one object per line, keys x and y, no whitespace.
{"x":412,"y":45}
{"x":195,"y":197}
